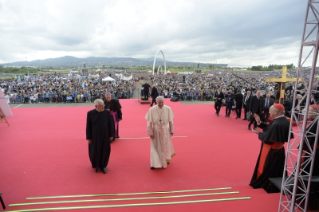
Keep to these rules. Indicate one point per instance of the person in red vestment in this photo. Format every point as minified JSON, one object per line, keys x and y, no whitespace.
{"x":271,"y":159}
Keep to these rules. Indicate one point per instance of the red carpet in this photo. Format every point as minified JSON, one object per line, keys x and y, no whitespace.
{"x":44,"y":153}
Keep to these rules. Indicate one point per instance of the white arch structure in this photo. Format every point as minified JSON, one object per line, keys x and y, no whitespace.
{"x":159,"y":69}
{"x":155,"y":61}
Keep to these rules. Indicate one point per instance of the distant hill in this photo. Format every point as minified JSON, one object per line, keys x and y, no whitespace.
{"x":72,"y":62}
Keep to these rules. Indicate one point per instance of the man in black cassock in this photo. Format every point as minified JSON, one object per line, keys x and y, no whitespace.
{"x":218,"y":100}
{"x":271,"y":159}
{"x":114,"y":106}
{"x":99,"y":133}
{"x":154,"y":95}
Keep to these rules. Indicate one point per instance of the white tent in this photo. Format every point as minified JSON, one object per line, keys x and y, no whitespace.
{"x":127,"y":78}
{"x":107,"y":79}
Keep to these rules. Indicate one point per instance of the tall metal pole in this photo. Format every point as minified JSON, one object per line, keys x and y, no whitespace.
{"x":26,"y":59}
{"x":296,"y":185}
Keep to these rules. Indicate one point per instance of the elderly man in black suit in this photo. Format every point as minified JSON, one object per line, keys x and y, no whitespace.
{"x":256,"y":107}
{"x":218,"y":101}
{"x":288,"y":106}
{"x":247,"y":100}
{"x":239,"y":103}
{"x":268,"y":102}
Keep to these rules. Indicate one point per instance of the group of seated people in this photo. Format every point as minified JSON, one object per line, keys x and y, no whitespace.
{"x":57,"y":88}
{"x":63,"y":97}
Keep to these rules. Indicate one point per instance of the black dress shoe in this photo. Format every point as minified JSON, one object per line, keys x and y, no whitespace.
{"x":244,"y":119}
{"x":97,"y":169}
{"x":236,"y":118}
{"x":249,"y":128}
{"x":152,"y":167}
{"x":104,"y":170}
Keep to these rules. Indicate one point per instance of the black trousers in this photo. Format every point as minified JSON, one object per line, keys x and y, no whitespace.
{"x":238,"y":110}
{"x":218,"y":105}
{"x":153,"y":101}
{"x":253,"y":121}
{"x":266,"y":114}
{"x":246,"y":107}
{"x":228,"y":108}
{"x":146,"y":93}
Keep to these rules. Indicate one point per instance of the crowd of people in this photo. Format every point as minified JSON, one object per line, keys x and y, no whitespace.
{"x":203,"y":87}
{"x":62,"y":88}
{"x":59,"y":88}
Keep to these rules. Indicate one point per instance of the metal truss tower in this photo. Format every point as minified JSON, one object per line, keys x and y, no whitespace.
{"x":296,"y":181}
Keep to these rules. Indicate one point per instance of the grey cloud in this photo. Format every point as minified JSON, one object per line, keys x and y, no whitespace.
{"x":244,"y":30}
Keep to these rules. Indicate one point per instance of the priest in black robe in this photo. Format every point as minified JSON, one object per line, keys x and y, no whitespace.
{"x":114,"y":106}
{"x":99,"y":133}
{"x":271,"y":159}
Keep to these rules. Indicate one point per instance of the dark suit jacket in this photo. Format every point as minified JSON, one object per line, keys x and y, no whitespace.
{"x":146,"y":87}
{"x":221,"y":96}
{"x":288,"y":105}
{"x":154,"y":92}
{"x":256,"y":105}
{"x":271,"y":102}
{"x":247,"y":105}
{"x":302,"y":103}
{"x":231,"y":99}
{"x":239,"y":99}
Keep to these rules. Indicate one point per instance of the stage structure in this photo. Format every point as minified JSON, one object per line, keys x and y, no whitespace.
{"x":296,"y":185}
{"x":163,"y":59}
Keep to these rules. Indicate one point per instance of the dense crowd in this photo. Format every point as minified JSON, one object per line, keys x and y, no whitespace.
{"x":202,"y":87}
{"x":62,"y":88}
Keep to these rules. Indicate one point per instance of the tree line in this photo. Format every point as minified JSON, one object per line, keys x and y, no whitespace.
{"x":271,"y":67}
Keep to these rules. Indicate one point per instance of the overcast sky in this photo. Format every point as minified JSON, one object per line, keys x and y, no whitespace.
{"x":237,"y":32}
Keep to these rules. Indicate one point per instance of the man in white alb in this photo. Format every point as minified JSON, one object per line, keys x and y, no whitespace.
{"x":160,"y":128}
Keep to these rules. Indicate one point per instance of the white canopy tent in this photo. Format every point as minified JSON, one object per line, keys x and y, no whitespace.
{"x":108,"y":79}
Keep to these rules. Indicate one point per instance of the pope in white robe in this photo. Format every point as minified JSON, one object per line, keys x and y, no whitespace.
{"x":160,"y":128}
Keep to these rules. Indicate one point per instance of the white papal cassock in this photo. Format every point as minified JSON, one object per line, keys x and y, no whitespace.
{"x":162,"y":149}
